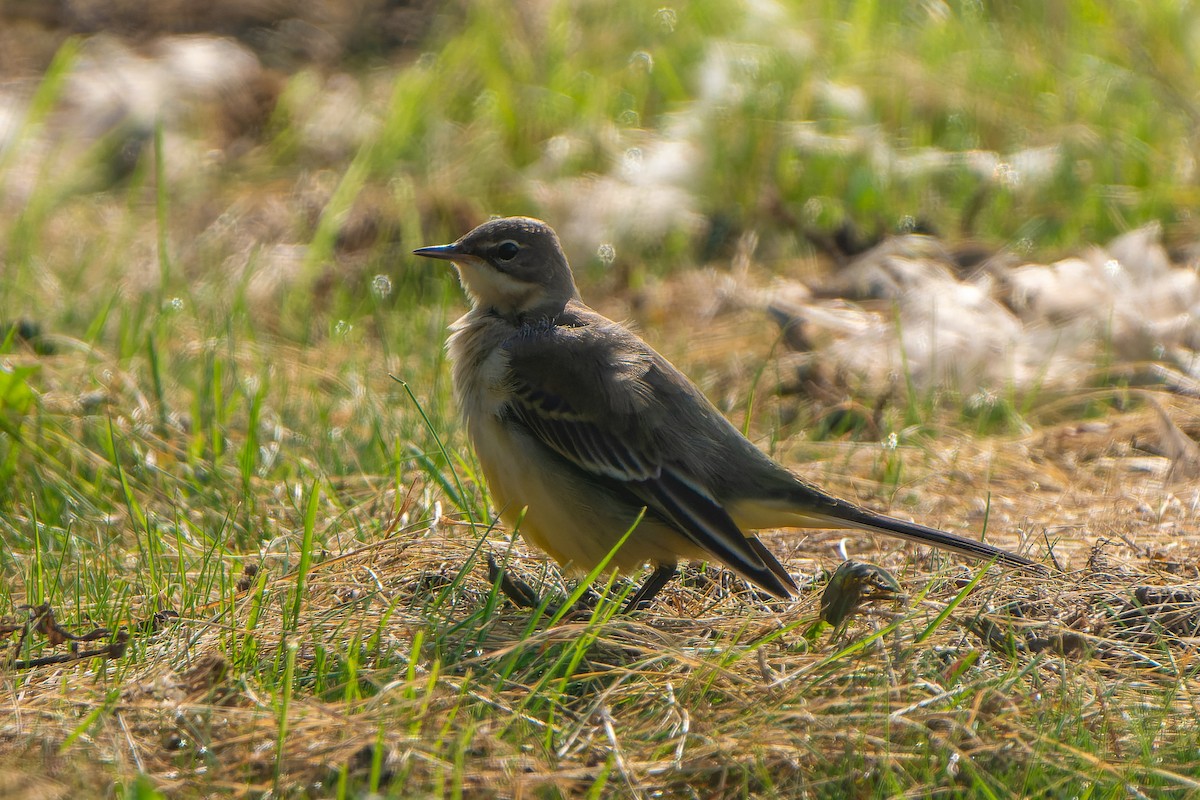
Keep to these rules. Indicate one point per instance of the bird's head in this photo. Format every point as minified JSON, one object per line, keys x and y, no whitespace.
{"x":513,"y":265}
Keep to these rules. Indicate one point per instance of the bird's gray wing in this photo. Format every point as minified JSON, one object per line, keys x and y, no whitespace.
{"x":599,"y":397}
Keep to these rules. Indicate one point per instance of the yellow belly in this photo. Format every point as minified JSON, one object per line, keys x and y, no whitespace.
{"x":561,"y":513}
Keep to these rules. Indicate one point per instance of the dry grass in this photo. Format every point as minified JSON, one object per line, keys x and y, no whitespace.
{"x":404,"y":670}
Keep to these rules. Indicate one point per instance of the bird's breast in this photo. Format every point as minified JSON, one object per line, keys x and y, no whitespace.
{"x":479,"y":365}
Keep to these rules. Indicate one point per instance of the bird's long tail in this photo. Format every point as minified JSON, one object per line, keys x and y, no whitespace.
{"x":818,"y":510}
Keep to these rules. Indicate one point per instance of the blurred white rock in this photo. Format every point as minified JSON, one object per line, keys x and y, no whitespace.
{"x":1033,"y":325}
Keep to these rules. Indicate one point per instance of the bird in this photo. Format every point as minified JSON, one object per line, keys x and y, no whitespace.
{"x":581,"y":428}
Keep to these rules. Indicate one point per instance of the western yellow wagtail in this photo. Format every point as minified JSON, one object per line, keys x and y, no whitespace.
{"x":579,"y":425}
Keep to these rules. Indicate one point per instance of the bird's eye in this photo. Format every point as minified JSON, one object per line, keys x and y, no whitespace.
{"x":507,"y":251}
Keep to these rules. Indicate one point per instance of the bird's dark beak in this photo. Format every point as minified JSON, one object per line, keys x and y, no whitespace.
{"x":446,"y":252}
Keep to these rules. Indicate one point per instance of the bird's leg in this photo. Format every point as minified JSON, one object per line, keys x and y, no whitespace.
{"x":523,"y":595}
{"x":650,"y":588}
{"x":518,"y":591}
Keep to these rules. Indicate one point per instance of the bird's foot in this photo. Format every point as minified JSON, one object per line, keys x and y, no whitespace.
{"x":522,"y":595}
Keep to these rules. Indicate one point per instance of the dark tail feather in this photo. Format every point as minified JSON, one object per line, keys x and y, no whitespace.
{"x":773,"y":564}
{"x":708,"y":525}
{"x":840,"y":514}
